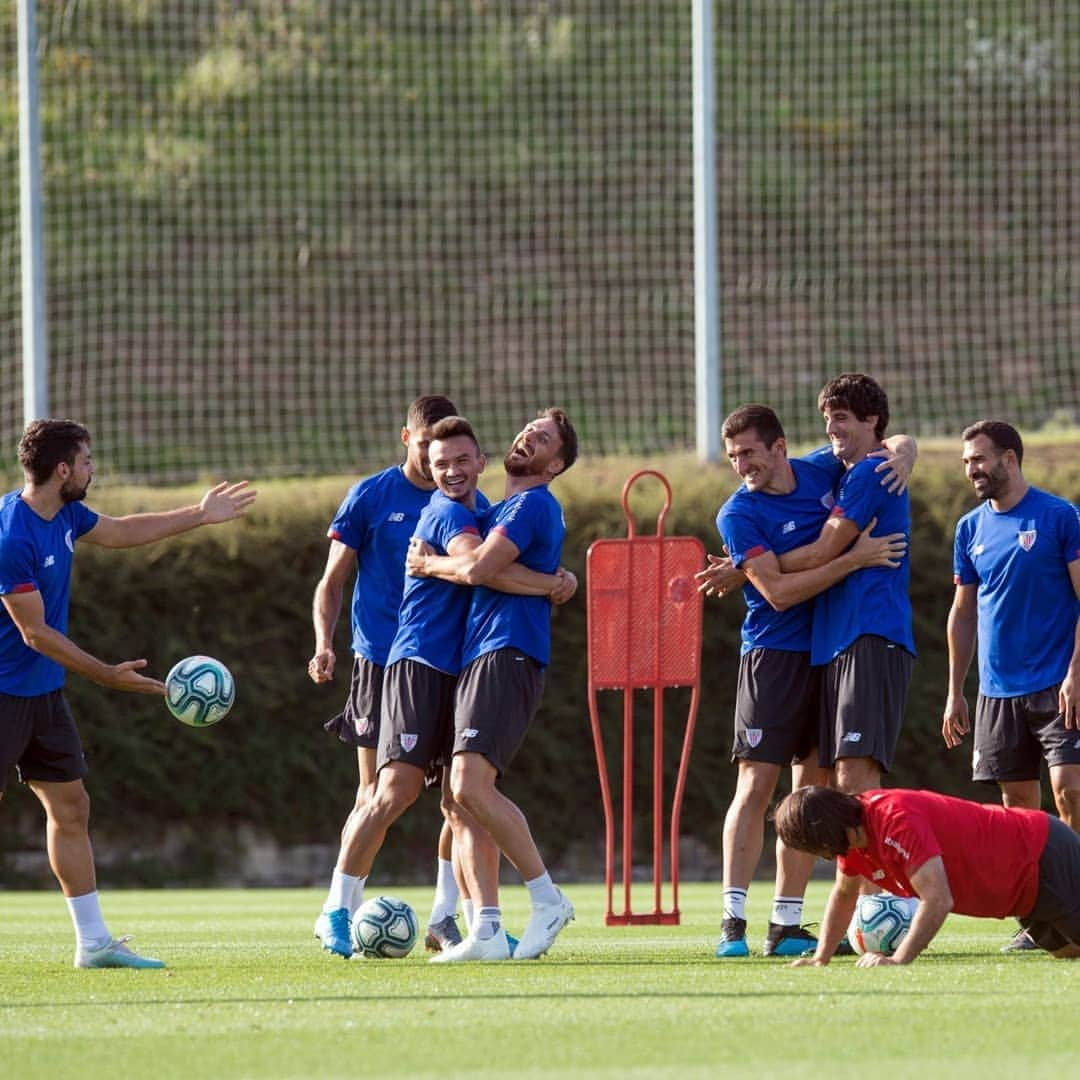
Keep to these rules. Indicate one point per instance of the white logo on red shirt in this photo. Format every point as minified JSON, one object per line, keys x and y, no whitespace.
{"x":890,"y":842}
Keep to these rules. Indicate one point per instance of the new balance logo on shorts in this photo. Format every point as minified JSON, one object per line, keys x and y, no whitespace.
{"x":470,"y":733}
{"x":852,"y":736}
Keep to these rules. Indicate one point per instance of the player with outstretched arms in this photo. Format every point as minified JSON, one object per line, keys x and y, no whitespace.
{"x":39,"y":526}
{"x":507,"y":647}
{"x":1016,"y":567}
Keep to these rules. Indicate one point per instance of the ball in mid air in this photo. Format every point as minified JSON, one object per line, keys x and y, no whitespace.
{"x":199,"y":691}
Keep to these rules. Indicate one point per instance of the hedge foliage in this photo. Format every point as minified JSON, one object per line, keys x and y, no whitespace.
{"x":242,"y":592}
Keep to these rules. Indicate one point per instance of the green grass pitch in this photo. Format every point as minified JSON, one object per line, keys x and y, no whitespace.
{"x":249,"y":994}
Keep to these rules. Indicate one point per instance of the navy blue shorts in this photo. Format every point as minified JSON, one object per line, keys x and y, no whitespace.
{"x":358,"y":723}
{"x":39,"y":737}
{"x":497,"y":696}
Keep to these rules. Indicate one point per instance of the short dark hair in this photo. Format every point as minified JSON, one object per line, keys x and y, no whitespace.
{"x":859,"y":393}
{"x":567,"y":434}
{"x":428,"y":410}
{"x":1003,"y":436}
{"x":816,"y":819}
{"x":450,"y":427}
{"x":759,"y":417}
{"x":47,"y":443}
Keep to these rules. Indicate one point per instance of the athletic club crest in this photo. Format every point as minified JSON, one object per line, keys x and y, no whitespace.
{"x":408,"y":741}
{"x":753,"y":737}
{"x":1026,"y":538}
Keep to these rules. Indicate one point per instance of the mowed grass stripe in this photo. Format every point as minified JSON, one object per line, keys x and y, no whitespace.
{"x":250,"y":994}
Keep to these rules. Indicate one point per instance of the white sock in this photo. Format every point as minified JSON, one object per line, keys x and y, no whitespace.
{"x":468,"y":910}
{"x":488,"y":923}
{"x":787,"y":910}
{"x":446,"y":892}
{"x":542,"y":890}
{"x":735,"y":904}
{"x":90,"y":928}
{"x":346,"y":892}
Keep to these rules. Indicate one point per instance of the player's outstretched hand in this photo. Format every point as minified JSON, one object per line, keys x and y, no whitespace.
{"x":320,"y":667}
{"x":416,"y":557}
{"x":885,"y":550}
{"x":719,"y":577}
{"x":125,"y":676}
{"x":807,"y":961}
{"x":566,"y":588}
{"x":956,"y":723}
{"x":226,"y":501}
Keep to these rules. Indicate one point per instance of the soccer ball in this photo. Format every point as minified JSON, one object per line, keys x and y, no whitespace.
{"x":199,"y":691}
{"x":384,"y":927}
{"x":881,"y":922}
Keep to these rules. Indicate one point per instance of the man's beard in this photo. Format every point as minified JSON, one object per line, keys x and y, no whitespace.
{"x":997,"y":480}
{"x":69,"y":493}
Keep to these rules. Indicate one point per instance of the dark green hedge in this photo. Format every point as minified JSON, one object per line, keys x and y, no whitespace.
{"x":243,"y":593}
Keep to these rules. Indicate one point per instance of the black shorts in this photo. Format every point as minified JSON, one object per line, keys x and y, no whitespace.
{"x":358,"y":725}
{"x":863,"y":695}
{"x":38,"y":735}
{"x":417,"y":721}
{"x":1014,"y":735}
{"x":1054,"y":921}
{"x":497,"y":696}
{"x":777,"y":707}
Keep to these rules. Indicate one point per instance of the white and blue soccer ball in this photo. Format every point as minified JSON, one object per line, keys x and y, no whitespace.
{"x":384,"y":928}
{"x":881,"y":922}
{"x":199,"y":691}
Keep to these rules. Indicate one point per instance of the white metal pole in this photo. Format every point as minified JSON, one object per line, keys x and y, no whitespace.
{"x":706,"y":313}
{"x":34,"y":342}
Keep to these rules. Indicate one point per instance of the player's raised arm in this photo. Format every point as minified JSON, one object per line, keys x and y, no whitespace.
{"x":27,"y":611}
{"x":223,"y":502}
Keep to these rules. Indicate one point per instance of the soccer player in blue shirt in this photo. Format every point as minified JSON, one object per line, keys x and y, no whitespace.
{"x":39,"y":526}
{"x":507,"y":646}
{"x":862,"y":630}
{"x":370,"y":536}
{"x":1016,"y":563}
{"x":416,"y":724}
{"x":780,"y":506}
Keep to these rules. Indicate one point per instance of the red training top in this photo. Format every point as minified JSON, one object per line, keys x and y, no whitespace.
{"x":991,"y":854}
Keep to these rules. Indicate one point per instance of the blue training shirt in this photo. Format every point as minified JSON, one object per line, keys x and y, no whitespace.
{"x":873,"y":600}
{"x":431,"y":621}
{"x":376,"y":519}
{"x":36,"y":556}
{"x":753,"y":522}
{"x":1026,"y":601}
{"x":533,"y":521}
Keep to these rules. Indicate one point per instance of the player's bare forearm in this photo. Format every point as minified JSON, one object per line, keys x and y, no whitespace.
{"x":961,"y":634}
{"x":931,"y":883}
{"x":123,"y":676}
{"x":221,"y":503}
{"x":1069,"y":694}
{"x":522,"y":581}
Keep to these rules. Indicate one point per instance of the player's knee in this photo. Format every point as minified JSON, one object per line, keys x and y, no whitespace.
{"x":71,"y":810}
{"x":1067,"y":801}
